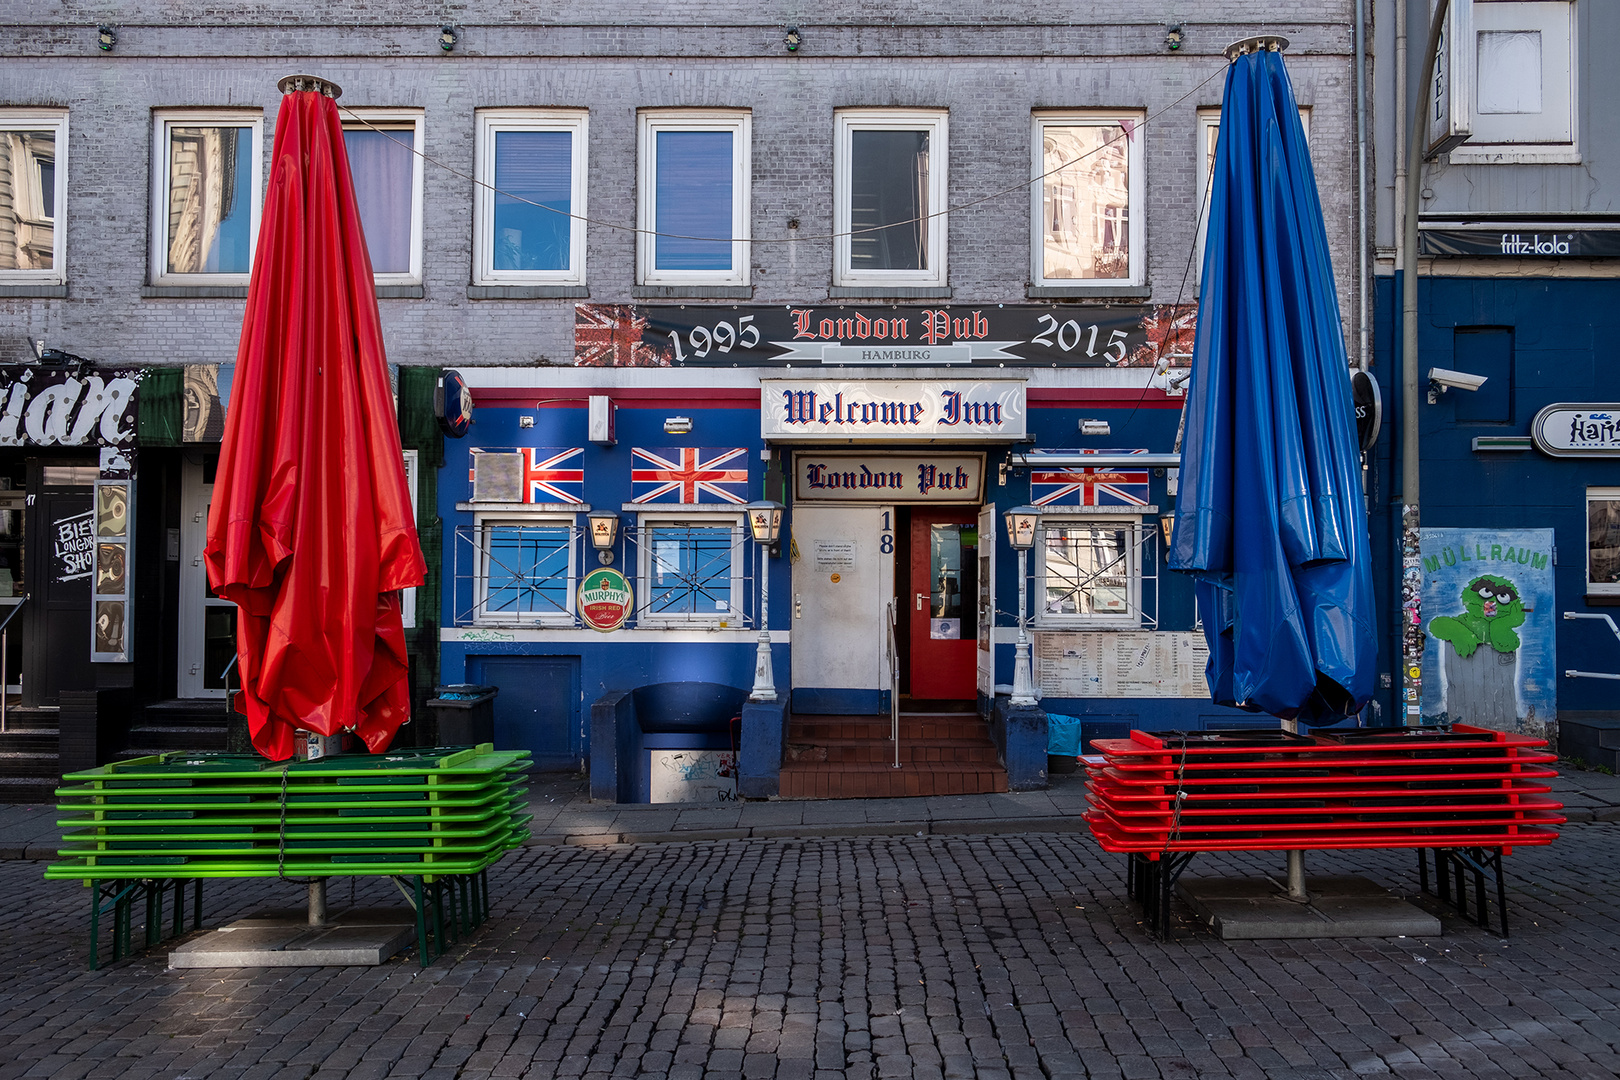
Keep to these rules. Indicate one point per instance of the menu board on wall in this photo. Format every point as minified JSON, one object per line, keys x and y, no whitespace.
{"x":1121,"y":664}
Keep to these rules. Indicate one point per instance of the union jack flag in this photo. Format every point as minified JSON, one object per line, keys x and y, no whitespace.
{"x":558,"y":478}
{"x":610,"y":335}
{"x":1088,"y":487}
{"x":689,"y":474}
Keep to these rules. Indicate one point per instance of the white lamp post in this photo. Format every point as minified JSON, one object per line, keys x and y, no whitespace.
{"x":765,"y":523}
{"x":1021,"y":523}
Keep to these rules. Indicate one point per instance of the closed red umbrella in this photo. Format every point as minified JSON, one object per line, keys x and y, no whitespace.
{"x":310,"y":533}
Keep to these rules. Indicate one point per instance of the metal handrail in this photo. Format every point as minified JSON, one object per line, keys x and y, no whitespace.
{"x":5,"y":642}
{"x":1574,"y":674}
{"x":894,"y":684}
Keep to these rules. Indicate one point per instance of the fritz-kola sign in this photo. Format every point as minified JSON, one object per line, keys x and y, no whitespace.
{"x":887,"y":335}
{"x":40,"y":407}
{"x":892,"y":409}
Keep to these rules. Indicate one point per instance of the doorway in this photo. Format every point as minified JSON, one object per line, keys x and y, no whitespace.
{"x":60,"y":566}
{"x":943,"y":604}
{"x":207,"y":623}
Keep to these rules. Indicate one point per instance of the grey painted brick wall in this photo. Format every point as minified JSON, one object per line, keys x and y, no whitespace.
{"x":989,"y":64}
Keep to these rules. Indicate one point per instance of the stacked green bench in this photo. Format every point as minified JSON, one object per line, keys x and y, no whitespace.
{"x":433,"y":820}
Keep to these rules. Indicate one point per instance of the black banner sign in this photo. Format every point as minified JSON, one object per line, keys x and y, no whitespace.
{"x":845,"y":335}
{"x":1519,"y":244}
{"x":42,"y":406}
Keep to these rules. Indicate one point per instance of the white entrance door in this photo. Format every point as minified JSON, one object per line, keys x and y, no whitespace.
{"x":843,"y":582}
{"x":207,"y":623}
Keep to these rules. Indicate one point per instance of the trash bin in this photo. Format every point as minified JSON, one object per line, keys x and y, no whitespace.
{"x":1062,"y":743}
{"x":464,"y":714}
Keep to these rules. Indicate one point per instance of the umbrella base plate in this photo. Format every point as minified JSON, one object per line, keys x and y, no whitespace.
{"x":1241,"y":909}
{"x":361,"y":937}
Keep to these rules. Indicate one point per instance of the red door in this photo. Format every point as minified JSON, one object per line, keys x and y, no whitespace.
{"x":944,"y":603}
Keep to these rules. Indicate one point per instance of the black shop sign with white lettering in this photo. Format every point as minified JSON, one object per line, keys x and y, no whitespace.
{"x":842,"y":335}
{"x":1521,"y":243}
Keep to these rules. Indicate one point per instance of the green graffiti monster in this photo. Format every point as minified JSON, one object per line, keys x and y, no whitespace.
{"x":1492,"y":611}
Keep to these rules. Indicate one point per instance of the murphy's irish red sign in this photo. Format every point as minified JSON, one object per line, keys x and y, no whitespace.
{"x":842,"y":335}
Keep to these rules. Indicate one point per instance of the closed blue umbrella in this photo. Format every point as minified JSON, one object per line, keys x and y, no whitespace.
{"x":1269,"y":515}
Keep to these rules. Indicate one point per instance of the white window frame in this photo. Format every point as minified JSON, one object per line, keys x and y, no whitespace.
{"x":1495,"y":141}
{"x":1209,"y":120}
{"x":1135,"y":207}
{"x":1597,"y":588}
{"x":649,"y":122}
{"x":1131,"y":618}
{"x":357,"y":119}
{"x":491,"y":121}
{"x":936,"y":122}
{"x":54,"y":120}
{"x":696,"y":517}
{"x":485,"y":520}
{"x":162,"y":121}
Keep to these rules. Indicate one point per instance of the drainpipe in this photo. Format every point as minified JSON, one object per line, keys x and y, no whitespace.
{"x":1363,"y":357}
{"x":1411,"y":568}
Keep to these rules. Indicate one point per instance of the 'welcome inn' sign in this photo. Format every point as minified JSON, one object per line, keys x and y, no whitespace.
{"x":878,"y":410}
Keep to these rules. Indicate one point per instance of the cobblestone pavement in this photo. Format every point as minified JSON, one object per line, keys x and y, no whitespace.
{"x":960,"y":956}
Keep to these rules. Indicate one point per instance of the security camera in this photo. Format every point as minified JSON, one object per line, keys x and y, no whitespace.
{"x":1446,"y":379}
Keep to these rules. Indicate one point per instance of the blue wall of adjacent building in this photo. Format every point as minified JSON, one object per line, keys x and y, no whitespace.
{"x":1538,"y":342}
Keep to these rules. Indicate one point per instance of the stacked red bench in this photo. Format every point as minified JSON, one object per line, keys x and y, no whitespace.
{"x":1451,"y":787}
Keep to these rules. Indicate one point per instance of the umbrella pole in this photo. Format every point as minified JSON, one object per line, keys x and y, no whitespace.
{"x":317,"y":902}
{"x":1296,"y":878}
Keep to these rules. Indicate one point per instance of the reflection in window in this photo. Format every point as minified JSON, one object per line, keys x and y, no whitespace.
{"x":1086,"y":200}
{"x":1603,"y":540}
{"x":534,"y":196}
{"x":210,"y":200}
{"x":689,"y":570}
{"x":693,"y":198}
{"x":1087,"y":570}
{"x":526,"y":570}
{"x":888,"y":200}
{"x":27,"y":200}
{"x":384,"y":169}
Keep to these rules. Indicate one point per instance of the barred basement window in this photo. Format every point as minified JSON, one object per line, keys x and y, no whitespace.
{"x":1089,"y":572}
{"x":525,"y":572}
{"x":691,"y":571}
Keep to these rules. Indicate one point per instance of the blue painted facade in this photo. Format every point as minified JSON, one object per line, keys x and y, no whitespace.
{"x":1538,"y":341}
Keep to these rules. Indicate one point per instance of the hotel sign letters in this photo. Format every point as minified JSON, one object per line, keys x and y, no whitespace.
{"x":892,"y":409}
{"x":888,"y":478}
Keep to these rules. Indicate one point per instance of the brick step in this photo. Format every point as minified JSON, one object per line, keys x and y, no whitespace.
{"x":30,"y":718}
{"x":29,"y":741}
{"x":911,"y":729}
{"x":156,"y":739}
{"x":41,"y":765}
{"x":827,"y":780}
{"x":965,"y":751}
{"x":28,"y":789}
{"x":186,"y":712}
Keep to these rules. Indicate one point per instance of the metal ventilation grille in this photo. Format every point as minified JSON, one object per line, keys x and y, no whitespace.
{"x":498,"y":477}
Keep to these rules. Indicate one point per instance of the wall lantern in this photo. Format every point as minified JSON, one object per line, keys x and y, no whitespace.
{"x":1173,"y":36}
{"x":677,"y":425}
{"x":447,"y":38}
{"x":1021,"y":522}
{"x":793,"y":39}
{"x":106,"y":38}
{"x":604,"y":534}
{"x":765,"y":521}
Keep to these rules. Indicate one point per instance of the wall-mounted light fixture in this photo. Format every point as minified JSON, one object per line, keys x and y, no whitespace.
{"x":604,"y":526}
{"x":1167,"y":525}
{"x":677,"y":425}
{"x":106,"y":37}
{"x":793,"y":39}
{"x":1173,"y":36}
{"x":1095,"y":427}
{"x":447,"y":37}
{"x":525,"y":421}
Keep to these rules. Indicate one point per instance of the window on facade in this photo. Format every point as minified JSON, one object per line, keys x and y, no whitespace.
{"x":31,"y":189}
{"x":525,"y":571}
{"x":1524,"y":83}
{"x":1603,"y":540}
{"x":205,"y":204}
{"x":1209,"y":132}
{"x":384,"y":157}
{"x":889,"y":198}
{"x":694,"y":197}
{"x":1088,"y":571}
{"x":1088,"y":221}
{"x":530,"y":197}
{"x":691,"y":570}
